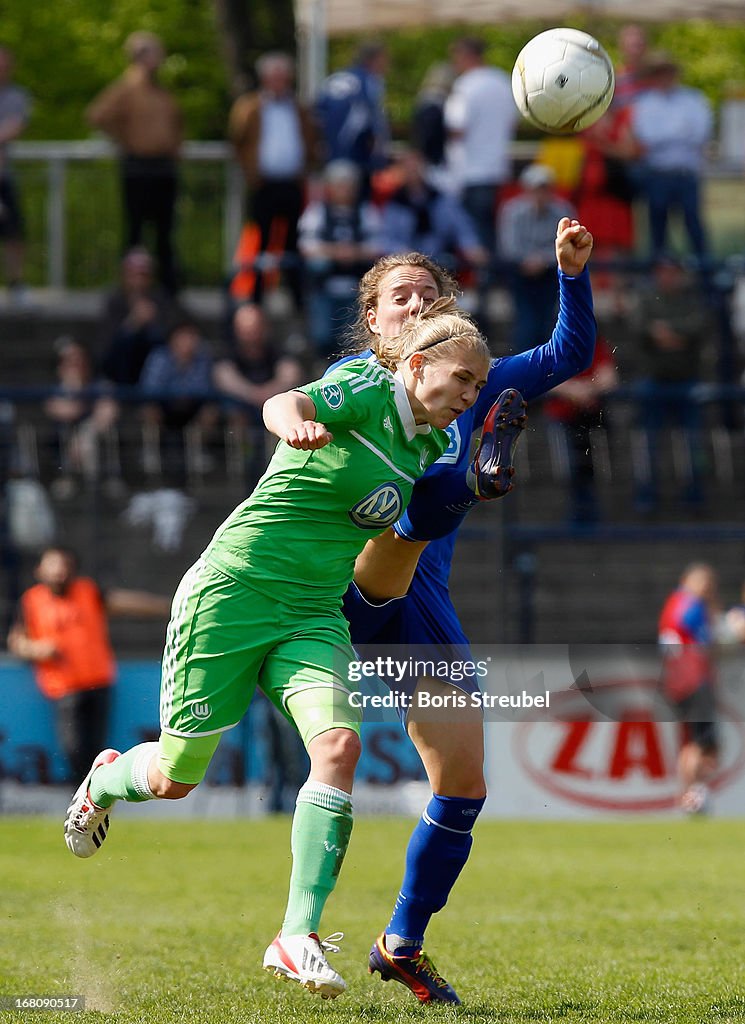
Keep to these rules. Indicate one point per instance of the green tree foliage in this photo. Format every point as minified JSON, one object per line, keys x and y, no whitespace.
{"x":711,"y":55}
{"x":67,"y":52}
{"x":250,"y":29}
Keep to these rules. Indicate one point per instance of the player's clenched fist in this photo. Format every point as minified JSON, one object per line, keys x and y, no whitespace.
{"x":573,"y":246}
{"x":308,"y":435}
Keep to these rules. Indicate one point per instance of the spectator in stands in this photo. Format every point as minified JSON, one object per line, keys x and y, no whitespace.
{"x":480,"y":115}
{"x":180,"y":416}
{"x":80,"y":413}
{"x":339,"y":237}
{"x":527,"y":232}
{"x":252,"y":369}
{"x":419,"y":218}
{"x":351,"y":113}
{"x":145,"y":121}
{"x":62,"y":628}
{"x":577,"y":408}
{"x":610,"y":176}
{"x":275,"y":143}
{"x":686,"y":631}
{"x":178,"y":377}
{"x":673,"y":328}
{"x":134,"y":321}
{"x":672,"y":125}
{"x":607,"y":185}
{"x":15,"y":108}
{"x":630,"y":73}
{"x":428,"y":131}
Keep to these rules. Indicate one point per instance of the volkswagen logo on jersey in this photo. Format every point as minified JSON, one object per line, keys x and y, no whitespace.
{"x":378,"y":509}
{"x":333,"y":396}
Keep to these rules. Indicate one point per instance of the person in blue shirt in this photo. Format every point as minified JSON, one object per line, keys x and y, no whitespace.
{"x":400,"y":594}
{"x":350,"y":111}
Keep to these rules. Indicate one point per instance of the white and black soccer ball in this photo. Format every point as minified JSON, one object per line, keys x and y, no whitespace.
{"x":563,"y":81}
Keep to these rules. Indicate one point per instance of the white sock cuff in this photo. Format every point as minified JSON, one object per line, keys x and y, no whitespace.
{"x":140,"y":765}
{"x":328,"y":797}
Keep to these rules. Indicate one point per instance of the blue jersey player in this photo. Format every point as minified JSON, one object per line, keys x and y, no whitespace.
{"x":400,"y":594}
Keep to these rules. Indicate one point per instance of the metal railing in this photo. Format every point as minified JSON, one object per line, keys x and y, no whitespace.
{"x":58,"y":156}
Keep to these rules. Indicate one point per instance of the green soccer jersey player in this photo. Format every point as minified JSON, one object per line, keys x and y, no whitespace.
{"x":262,"y":606}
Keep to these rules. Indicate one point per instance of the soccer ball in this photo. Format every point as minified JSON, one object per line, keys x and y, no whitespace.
{"x":562,"y":81}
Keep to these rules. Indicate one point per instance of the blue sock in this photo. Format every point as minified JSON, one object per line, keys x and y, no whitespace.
{"x":438,"y":505}
{"x":437,"y":851}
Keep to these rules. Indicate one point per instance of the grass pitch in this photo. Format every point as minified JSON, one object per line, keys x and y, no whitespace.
{"x":550,"y":922}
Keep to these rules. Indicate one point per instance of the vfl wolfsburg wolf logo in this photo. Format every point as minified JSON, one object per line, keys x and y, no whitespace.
{"x":378,"y":509}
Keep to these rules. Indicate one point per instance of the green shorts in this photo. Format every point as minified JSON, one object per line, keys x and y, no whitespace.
{"x":225,"y":638}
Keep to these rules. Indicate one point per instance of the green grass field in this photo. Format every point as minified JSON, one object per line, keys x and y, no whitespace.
{"x":550,"y":922}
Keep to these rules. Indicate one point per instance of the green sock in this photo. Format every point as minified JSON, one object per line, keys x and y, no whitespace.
{"x":321,"y":828}
{"x":125,"y":778}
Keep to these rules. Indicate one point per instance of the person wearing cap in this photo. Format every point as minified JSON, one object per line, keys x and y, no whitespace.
{"x":144,"y":119}
{"x":339,"y":238}
{"x":526,"y":233}
{"x":672,"y":125}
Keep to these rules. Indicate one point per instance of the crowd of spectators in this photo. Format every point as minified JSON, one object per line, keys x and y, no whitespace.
{"x":327,"y":192}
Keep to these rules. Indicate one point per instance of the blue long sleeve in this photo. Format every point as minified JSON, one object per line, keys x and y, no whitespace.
{"x":566,"y":353}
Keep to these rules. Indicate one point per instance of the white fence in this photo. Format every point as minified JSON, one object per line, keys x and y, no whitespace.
{"x":58,"y":156}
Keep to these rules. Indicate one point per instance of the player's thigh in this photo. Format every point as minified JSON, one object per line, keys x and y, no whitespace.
{"x":306,"y":675}
{"x":216,"y":641}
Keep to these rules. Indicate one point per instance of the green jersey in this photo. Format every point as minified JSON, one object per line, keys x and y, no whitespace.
{"x":300,"y":531}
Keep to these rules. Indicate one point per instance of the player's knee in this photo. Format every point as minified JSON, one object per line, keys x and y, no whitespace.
{"x":339,"y":749}
{"x":166,"y":789}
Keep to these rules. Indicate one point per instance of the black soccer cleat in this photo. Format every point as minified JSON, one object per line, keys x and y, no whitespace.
{"x":492,"y":464}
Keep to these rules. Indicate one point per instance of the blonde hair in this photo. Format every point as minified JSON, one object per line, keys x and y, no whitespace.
{"x":442,"y":330}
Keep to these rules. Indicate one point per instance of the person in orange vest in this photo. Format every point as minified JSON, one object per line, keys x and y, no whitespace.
{"x":63,"y":630}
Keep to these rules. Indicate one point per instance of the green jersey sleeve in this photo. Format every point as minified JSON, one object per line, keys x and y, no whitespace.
{"x":352,"y":394}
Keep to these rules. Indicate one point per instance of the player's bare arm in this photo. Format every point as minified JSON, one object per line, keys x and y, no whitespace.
{"x":386,"y":565}
{"x":291,"y":416}
{"x":573,"y":246}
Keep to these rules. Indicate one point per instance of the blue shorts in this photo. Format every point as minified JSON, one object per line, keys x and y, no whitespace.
{"x":421,"y":627}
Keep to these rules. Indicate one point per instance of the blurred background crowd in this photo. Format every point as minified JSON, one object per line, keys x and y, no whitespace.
{"x":134,"y":370}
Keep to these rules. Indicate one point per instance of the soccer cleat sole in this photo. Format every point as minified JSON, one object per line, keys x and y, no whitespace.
{"x":319,"y":988}
{"x":502,"y":428}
